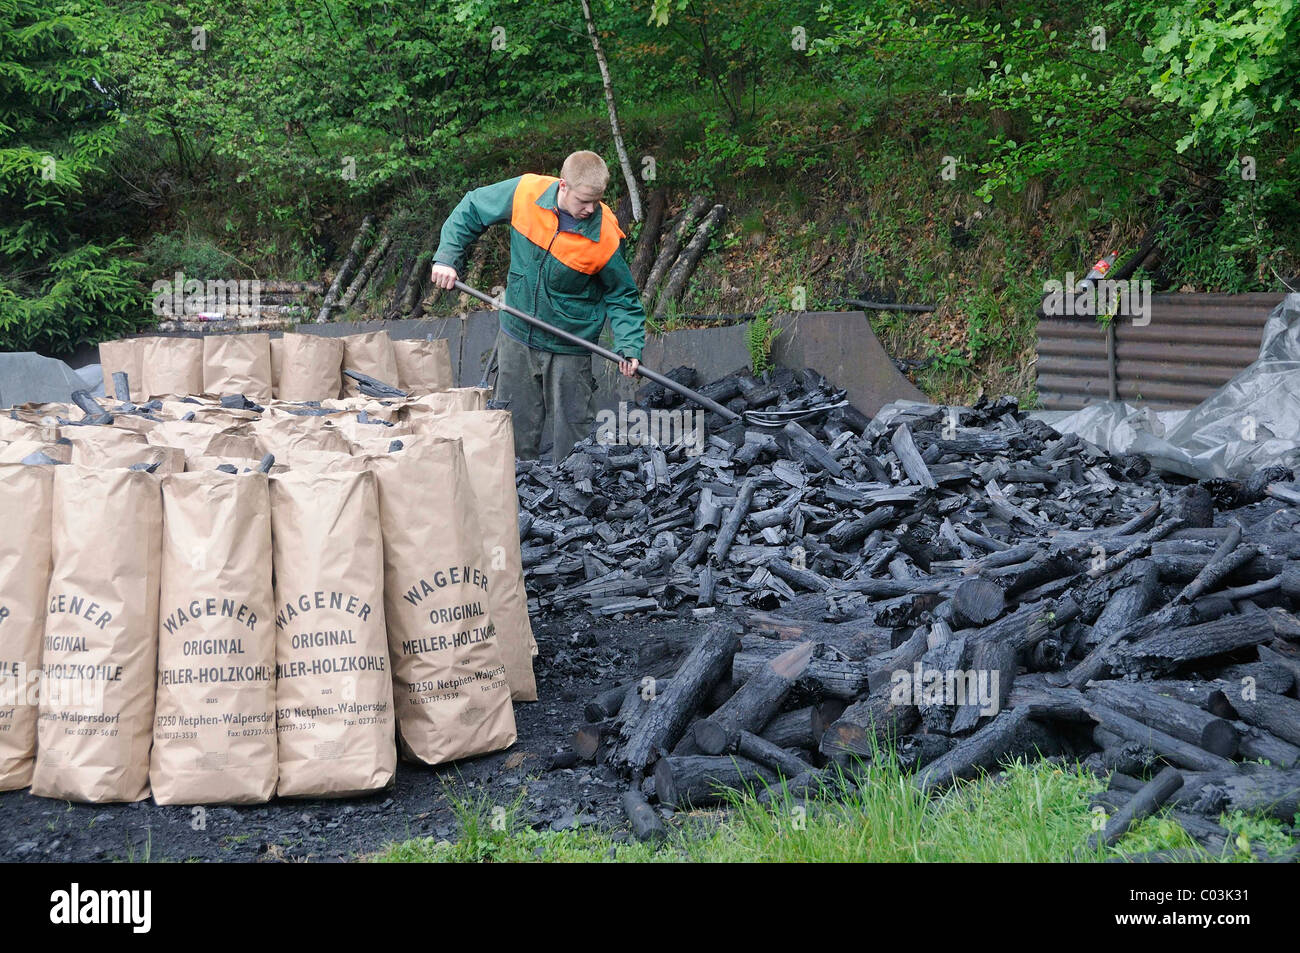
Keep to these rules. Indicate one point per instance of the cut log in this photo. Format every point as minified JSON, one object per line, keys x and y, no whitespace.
{"x":608,"y":702}
{"x":645,"y":822}
{"x":1276,"y":714}
{"x":588,"y":738}
{"x":869,"y":726}
{"x":803,"y":579}
{"x":1180,"y":752}
{"x":852,"y":533}
{"x":976,"y":602}
{"x":731,"y":524}
{"x":1269,"y":791}
{"x":997,"y":664}
{"x":1170,"y":715}
{"x":1011,"y":734}
{"x":755,"y":703}
{"x":1279,"y":654}
{"x":761,"y":751}
{"x":1256,"y":744}
{"x":1215,"y":572}
{"x":910,"y":458}
{"x":1128,"y":604}
{"x":802,"y":445}
{"x":1141,"y":805}
{"x":810,"y":784}
{"x":367,"y":269}
{"x":680,"y":273}
{"x":702,"y":781}
{"x":345,"y":270}
{"x":794,"y":729}
{"x":1096,"y":661}
{"x":854,"y":640}
{"x":1166,"y":650}
{"x":832,"y":677}
{"x":675,"y":236}
{"x":667,"y":716}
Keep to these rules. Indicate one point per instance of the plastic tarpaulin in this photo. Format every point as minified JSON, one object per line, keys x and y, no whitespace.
{"x":1250,"y":422}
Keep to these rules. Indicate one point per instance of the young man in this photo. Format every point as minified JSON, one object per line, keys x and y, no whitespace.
{"x":566,"y":268}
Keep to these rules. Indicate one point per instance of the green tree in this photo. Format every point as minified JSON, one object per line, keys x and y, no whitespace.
{"x":60,"y":284}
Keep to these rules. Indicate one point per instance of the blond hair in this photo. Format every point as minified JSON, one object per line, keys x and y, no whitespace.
{"x":585,"y":170}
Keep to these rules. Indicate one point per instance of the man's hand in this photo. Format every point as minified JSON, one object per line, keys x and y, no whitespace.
{"x":629,"y":366}
{"x":444,"y":276}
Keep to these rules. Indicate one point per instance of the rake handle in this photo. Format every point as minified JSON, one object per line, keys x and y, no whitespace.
{"x":650,"y":375}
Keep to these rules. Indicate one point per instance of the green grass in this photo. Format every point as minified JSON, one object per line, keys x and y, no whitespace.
{"x":1032,"y":812}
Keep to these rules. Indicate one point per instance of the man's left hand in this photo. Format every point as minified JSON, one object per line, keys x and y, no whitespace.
{"x":629,"y":366}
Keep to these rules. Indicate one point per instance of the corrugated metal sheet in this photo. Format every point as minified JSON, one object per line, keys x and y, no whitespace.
{"x":1194,"y":344}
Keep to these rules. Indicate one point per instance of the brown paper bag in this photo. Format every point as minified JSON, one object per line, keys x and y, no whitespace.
{"x":100,"y":650}
{"x":214,"y":733}
{"x":197,"y":464}
{"x":238,"y":442}
{"x":126,"y":355}
{"x":172,"y":366}
{"x":283,"y":435}
{"x":449,"y":401}
{"x":45,"y":414}
{"x":190,"y":436}
{"x":220,"y":417}
{"x":324,"y":461}
{"x":310,"y":367}
{"x":370,"y":353}
{"x":169,"y":459}
{"x":449,"y":683}
{"x":11,"y":429}
{"x":15,"y":451}
{"x":423,"y":366}
{"x":237,"y":364}
{"x":26,"y":510}
{"x":350,"y":426}
{"x":134,"y":422}
{"x":104,"y":436}
{"x":489,"y":444}
{"x":334,"y":688}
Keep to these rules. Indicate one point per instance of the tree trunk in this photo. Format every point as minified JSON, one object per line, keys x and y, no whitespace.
{"x":649,"y":240}
{"x":633,"y":192}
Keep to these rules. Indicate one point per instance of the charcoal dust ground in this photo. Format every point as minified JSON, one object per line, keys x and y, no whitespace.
{"x":578,"y":659}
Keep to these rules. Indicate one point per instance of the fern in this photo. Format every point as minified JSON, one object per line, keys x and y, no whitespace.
{"x":759,"y":341}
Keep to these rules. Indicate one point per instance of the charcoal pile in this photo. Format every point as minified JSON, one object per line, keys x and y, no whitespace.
{"x":960,"y":585}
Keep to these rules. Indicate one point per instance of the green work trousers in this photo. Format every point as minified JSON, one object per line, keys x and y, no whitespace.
{"x":539,"y":386}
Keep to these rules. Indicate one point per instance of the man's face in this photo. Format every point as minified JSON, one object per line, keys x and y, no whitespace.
{"x":580,"y":201}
